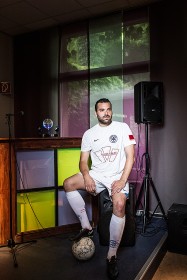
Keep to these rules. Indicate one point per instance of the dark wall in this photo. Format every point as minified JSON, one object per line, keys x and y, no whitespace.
{"x":168,"y":41}
{"x":36,"y":80}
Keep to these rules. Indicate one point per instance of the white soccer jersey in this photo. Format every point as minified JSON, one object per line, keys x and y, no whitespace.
{"x":106,"y":145}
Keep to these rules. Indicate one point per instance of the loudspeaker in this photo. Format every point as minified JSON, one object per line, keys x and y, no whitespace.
{"x":148,"y":102}
{"x":105,"y":213}
{"x":177,"y":228}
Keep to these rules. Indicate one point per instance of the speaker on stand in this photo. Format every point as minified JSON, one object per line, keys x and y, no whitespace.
{"x":148,"y":109}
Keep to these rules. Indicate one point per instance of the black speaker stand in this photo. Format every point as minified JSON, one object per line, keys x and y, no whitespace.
{"x":10,"y":242}
{"x":145,"y":188}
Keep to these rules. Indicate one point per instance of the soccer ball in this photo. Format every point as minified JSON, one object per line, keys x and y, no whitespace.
{"x":83,"y":249}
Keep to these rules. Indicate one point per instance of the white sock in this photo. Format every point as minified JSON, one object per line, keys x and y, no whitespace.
{"x":78,"y":205}
{"x":117,"y":225}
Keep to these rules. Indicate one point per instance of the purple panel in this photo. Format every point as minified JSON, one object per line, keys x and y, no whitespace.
{"x":74,"y":109}
{"x":35,"y":169}
{"x":66,"y":214}
{"x":137,"y":172}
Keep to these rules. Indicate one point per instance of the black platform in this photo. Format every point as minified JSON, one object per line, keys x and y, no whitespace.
{"x":51,"y":258}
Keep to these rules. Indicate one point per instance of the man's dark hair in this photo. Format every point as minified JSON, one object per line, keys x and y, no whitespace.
{"x":102,"y":100}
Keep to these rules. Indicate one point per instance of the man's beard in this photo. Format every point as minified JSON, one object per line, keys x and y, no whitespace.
{"x":104,"y":121}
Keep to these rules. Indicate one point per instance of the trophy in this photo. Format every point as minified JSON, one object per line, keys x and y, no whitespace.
{"x":46,"y":129}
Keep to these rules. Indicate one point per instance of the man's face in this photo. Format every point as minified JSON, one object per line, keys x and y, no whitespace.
{"x":104,"y":113}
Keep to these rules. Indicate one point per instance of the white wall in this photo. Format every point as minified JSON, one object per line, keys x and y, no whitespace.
{"x":6,"y":74}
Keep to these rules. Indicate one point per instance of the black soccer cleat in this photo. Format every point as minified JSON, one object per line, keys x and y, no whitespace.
{"x":112,"y":268}
{"x":84,"y":232}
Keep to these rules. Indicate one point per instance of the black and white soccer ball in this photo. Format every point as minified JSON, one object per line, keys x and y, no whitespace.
{"x":83,"y":249}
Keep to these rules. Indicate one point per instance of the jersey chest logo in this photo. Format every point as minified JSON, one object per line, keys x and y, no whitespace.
{"x":113,"y":138}
{"x":107,"y":154}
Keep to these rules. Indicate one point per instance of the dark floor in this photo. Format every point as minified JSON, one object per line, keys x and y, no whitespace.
{"x":51,"y":258}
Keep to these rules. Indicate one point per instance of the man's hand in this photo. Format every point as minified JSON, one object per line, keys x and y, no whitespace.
{"x":117,"y":186}
{"x":89,"y":184}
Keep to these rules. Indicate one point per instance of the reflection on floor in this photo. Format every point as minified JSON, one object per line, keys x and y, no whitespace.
{"x":51,"y":257}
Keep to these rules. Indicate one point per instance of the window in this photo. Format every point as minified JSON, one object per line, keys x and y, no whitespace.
{"x":103,"y":57}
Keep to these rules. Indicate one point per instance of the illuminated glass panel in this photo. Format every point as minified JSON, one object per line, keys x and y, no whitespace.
{"x":67,"y":163}
{"x":35,"y":210}
{"x":105,"y":41}
{"x":74,"y":48}
{"x":35,"y":169}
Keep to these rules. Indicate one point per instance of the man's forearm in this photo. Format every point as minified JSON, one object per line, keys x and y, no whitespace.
{"x":84,"y":169}
{"x":128,"y":164}
{"x":127,"y":169}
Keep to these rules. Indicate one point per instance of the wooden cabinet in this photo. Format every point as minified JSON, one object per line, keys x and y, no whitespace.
{"x":33,"y":203}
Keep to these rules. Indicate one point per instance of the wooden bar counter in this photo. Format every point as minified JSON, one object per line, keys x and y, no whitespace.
{"x":8,"y":177}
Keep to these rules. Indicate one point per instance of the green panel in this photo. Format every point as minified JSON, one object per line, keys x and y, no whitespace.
{"x":68,"y":163}
{"x":35,"y":210}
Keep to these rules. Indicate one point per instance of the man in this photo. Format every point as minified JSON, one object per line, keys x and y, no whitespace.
{"x":111,"y":147}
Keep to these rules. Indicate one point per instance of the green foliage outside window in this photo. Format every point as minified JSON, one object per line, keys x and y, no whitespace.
{"x":136,"y":43}
{"x":105,"y":48}
{"x":77,"y":53}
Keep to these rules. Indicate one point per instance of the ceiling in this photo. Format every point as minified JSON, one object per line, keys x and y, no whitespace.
{"x":18,"y":17}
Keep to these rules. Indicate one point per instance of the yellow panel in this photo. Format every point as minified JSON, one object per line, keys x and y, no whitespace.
{"x":68,"y":163}
{"x":35,"y":210}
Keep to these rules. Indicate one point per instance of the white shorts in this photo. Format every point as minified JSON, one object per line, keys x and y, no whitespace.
{"x":103,"y":182}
